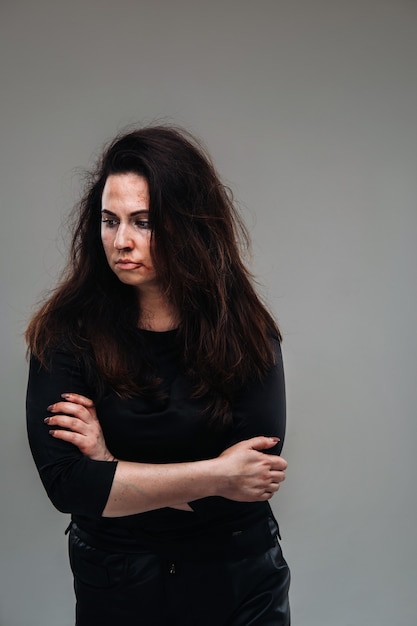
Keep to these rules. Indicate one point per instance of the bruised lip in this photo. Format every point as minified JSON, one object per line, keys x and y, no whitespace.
{"x":127,"y":264}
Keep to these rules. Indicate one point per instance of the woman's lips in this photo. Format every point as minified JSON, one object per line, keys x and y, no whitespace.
{"x":128,"y":265}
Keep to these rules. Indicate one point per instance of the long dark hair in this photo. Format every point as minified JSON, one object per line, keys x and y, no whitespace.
{"x":225,"y":331}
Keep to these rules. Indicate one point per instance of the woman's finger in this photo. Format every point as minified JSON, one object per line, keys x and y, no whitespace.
{"x":78,"y":399}
{"x":71,"y":437}
{"x":76,"y":410}
{"x":277,"y":476}
{"x":83,"y":443}
{"x":66,"y":421}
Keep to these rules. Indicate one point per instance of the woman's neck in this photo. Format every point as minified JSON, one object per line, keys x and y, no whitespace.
{"x":156,"y":312}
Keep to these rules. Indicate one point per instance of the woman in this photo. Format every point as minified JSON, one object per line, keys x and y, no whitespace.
{"x":155,"y":405}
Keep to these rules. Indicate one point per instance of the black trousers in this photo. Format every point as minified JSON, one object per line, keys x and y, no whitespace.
{"x":243,"y":583}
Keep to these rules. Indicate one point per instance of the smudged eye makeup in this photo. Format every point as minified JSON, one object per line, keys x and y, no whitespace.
{"x":112,"y":222}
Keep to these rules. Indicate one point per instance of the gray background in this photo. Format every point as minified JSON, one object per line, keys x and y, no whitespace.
{"x":309,"y":108}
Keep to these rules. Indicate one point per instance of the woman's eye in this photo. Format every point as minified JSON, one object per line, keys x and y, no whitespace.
{"x":109,"y":223}
{"x":144,"y":224}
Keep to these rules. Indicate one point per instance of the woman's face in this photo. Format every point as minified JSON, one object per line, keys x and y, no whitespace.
{"x":125,"y":231}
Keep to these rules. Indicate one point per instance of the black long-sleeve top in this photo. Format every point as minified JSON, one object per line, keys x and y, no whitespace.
{"x":168,"y":428}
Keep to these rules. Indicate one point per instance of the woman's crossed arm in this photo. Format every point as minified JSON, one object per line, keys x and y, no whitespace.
{"x":242,"y":472}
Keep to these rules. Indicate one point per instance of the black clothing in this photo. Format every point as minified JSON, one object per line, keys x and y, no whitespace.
{"x":129,"y":589}
{"x":167,"y":428}
{"x":160,"y":430}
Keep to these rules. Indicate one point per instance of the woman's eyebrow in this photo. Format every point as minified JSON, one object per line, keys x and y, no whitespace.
{"x":133,"y":214}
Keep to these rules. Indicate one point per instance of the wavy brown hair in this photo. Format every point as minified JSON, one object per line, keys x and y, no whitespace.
{"x":224,"y":336}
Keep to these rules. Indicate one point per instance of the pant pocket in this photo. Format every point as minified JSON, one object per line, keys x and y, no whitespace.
{"x":94,"y":567}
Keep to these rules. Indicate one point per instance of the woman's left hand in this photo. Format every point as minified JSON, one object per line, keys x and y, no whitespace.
{"x":77,"y":415}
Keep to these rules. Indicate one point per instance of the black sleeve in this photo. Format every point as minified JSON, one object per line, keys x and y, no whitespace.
{"x":73,"y":482}
{"x":259,"y":409}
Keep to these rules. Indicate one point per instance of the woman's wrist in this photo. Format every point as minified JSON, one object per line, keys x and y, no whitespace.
{"x":217,"y":476}
{"x":108,"y":456}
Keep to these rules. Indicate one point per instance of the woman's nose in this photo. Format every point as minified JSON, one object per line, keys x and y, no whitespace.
{"x":122,"y":239}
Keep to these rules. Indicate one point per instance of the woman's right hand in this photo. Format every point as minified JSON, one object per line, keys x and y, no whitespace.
{"x":248,"y":474}
{"x":243,"y":473}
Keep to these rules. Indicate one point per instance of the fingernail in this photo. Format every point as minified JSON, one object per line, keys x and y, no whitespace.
{"x":276,"y":439}
{"x":50,"y":407}
{"x":52,"y":432}
{"x":65,"y":395}
{"x":46,"y":420}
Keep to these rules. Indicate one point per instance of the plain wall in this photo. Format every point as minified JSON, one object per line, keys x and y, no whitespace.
{"x":309,"y":108}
